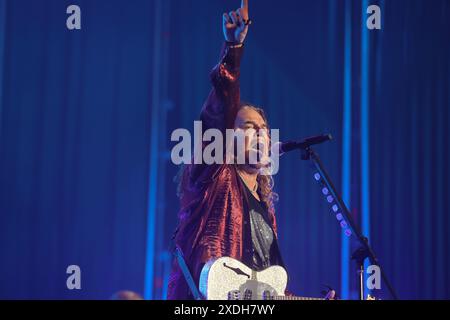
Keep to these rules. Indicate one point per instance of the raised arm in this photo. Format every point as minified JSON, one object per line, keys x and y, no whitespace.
{"x":222,"y":104}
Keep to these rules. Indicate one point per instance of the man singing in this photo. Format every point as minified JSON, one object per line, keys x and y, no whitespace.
{"x":227,"y":209}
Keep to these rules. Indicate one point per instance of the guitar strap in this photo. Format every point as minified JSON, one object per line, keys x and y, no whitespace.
{"x":187,"y":274}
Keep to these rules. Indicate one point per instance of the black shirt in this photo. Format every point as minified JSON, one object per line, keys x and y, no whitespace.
{"x":263,"y":251}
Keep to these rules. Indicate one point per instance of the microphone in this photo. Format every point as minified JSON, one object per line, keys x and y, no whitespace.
{"x":287,"y":146}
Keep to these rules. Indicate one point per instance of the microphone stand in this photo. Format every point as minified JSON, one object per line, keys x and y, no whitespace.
{"x":365,"y":250}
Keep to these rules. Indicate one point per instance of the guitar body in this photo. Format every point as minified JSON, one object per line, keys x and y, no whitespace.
{"x":228,"y":279}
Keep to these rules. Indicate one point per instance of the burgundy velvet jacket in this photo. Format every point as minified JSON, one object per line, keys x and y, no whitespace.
{"x":213,"y":203}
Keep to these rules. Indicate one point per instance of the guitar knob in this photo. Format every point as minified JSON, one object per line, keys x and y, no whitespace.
{"x":248,"y":294}
{"x":266,"y":295}
{"x":234,"y":295}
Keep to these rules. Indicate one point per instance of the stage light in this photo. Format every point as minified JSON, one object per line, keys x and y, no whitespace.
{"x":330,"y":199}
{"x":325,"y":191}
{"x":339,"y":216}
{"x":335,"y":208}
{"x":348,"y":232}
{"x":316,"y":176}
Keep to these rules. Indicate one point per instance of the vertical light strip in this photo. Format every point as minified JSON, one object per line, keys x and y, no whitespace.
{"x":346,"y":147}
{"x":154,"y":155}
{"x":2,"y":55}
{"x":365,"y":129}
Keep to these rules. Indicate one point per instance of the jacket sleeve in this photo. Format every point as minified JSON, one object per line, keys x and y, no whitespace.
{"x":221,"y":106}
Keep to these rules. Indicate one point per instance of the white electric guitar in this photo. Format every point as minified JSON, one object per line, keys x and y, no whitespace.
{"x":228,"y":279}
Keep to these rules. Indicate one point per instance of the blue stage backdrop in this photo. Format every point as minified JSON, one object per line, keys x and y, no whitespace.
{"x":86,"y":117}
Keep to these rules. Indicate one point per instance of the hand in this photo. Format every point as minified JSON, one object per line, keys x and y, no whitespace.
{"x":330,"y":294}
{"x":234,"y":28}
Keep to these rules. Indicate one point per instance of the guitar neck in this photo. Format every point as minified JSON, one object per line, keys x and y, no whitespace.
{"x":295,"y":298}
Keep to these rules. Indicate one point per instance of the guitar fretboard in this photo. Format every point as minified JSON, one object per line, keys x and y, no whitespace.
{"x":295,"y":298}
